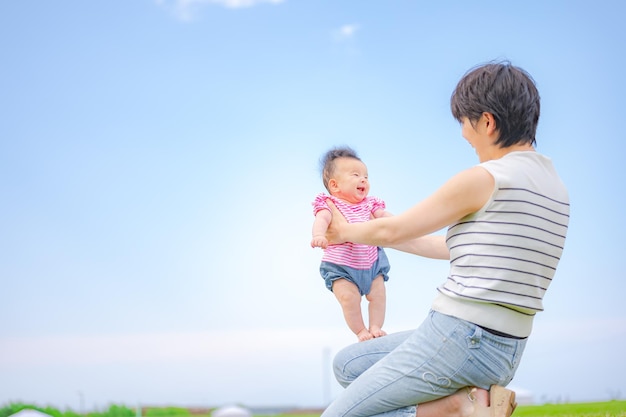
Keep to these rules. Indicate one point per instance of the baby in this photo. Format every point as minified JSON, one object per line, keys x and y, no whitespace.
{"x":351,"y":270}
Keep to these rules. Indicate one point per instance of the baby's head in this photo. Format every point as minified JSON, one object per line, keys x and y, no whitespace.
{"x":345,"y":175}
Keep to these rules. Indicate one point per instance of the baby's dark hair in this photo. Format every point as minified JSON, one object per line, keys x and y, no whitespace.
{"x":508,"y":93}
{"x":327,"y":162}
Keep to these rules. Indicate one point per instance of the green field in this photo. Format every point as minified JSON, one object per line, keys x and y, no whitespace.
{"x":596,"y":409}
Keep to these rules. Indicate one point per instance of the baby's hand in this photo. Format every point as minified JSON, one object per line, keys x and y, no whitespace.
{"x":319,"y":242}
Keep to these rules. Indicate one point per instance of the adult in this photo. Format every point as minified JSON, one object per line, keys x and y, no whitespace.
{"x":506,"y":220}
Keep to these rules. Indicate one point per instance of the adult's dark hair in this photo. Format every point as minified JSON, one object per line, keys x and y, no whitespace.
{"x":508,"y":93}
{"x":327,"y":162}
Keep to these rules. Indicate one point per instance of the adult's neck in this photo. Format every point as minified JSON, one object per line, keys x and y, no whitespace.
{"x":496,"y":152}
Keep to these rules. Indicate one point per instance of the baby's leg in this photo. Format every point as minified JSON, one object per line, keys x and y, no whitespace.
{"x":377,"y":304}
{"x":349,"y":297}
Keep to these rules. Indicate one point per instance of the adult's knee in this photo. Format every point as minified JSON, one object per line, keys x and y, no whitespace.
{"x":341,"y":367}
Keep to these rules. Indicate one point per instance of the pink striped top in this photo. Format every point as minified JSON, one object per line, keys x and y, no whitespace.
{"x":350,"y":254}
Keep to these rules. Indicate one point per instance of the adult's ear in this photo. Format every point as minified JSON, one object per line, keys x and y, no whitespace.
{"x":490,"y":123}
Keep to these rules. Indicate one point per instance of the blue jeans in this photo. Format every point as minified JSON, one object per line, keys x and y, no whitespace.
{"x":389,"y":375}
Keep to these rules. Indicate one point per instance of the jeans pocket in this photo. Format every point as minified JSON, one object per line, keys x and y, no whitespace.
{"x":492,"y":362}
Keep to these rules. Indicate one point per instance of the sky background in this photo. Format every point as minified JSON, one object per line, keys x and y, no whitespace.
{"x":158,"y":160}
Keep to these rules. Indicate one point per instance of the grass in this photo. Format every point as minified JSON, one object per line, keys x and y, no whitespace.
{"x":596,"y":409}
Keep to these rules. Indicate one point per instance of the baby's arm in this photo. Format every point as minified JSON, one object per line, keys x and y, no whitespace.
{"x":322,"y":220}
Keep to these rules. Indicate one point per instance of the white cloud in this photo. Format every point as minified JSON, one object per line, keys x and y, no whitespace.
{"x":236,"y":4}
{"x":188,"y":9}
{"x":345,"y":32}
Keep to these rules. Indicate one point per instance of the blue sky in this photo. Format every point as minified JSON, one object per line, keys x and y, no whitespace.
{"x":158,"y":159}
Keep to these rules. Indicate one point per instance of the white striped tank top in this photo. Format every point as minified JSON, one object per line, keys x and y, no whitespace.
{"x":503,"y":257}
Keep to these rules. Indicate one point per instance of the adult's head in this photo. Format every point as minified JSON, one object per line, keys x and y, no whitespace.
{"x":505,"y":91}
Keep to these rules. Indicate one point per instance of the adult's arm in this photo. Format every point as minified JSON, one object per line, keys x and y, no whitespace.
{"x":464,"y":193}
{"x":429,"y":246}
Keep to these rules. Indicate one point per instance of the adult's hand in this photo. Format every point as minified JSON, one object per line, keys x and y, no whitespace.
{"x":337,"y":223}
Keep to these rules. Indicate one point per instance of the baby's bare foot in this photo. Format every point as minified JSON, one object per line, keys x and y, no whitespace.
{"x":377,"y":332}
{"x":364,"y":335}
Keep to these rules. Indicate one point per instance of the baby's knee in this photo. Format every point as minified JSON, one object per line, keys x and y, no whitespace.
{"x":346,"y":292}
{"x":349,"y":299}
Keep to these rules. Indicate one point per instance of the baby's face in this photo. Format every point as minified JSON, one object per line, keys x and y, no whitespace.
{"x":351,"y":183}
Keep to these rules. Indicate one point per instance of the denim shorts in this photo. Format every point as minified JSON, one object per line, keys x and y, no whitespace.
{"x":388,"y":375}
{"x":362,"y":278}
